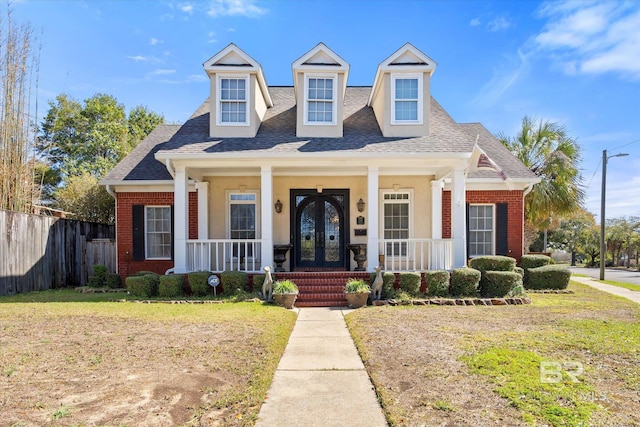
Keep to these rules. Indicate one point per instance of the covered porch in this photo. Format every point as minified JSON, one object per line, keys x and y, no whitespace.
{"x":332,"y":215}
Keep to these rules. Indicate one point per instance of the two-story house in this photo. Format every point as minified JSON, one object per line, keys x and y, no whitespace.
{"x":320,"y":166}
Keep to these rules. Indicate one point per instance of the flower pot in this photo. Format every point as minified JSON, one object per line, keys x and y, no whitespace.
{"x":285,"y":300}
{"x":356,"y":299}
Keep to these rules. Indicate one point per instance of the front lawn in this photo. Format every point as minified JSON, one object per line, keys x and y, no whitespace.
{"x":565,"y":360}
{"x":123,"y":363}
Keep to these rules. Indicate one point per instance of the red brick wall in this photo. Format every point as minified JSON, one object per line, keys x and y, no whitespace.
{"x":124,"y":229}
{"x":515,"y":214}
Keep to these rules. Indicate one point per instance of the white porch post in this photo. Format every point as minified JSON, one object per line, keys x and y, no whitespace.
{"x":436,"y":209}
{"x":180,"y":220}
{"x":266,"y":210}
{"x":203,"y":210}
{"x":372,"y":214}
{"x":458,"y":217}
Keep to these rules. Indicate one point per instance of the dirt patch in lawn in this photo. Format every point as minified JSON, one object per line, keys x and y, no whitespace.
{"x":416,"y":357}
{"x":108,"y":370}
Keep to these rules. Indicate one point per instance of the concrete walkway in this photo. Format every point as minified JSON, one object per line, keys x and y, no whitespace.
{"x":321,"y":380}
{"x":615,"y":290}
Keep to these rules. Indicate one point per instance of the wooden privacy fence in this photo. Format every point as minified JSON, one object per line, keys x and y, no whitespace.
{"x":42,"y":252}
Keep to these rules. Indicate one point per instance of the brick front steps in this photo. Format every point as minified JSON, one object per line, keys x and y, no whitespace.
{"x":322,"y":289}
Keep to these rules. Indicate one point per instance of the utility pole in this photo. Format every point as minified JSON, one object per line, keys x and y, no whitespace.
{"x":603,"y":246}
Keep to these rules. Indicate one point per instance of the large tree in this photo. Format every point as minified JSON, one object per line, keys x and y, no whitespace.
{"x":570,"y":234}
{"x":81,"y":142}
{"x":546,"y":148}
{"x":18,"y":71}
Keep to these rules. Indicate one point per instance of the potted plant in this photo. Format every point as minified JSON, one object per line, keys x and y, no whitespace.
{"x":356,"y":291}
{"x":285,"y":293}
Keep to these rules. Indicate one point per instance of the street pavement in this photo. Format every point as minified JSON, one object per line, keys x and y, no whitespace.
{"x":624,"y":276}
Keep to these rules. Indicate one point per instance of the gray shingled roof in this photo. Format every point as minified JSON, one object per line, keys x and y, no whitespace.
{"x":277,"y":134}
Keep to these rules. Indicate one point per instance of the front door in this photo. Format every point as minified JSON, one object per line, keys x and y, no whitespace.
{"x":319,"y":238}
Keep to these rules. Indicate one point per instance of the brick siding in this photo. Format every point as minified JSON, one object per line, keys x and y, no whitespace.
{"x":124,"y":229}
{"x":515,"y":214}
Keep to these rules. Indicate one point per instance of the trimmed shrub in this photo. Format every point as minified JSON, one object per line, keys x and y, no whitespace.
{"x":234,"y":282}
{"x":388,"y":279}
{"x":144,"y":273}
{"x":532,"y":261}
{"x":499,"y":283}
{"x":465,"y":282}
{"x":198,"y":283}
{"x":410,"y":283}
{"x":520,"y":271}
{"x":171,"y":285}
{"x":493,"y":263}
{"x":145,"y":286}
{"x":437,"y":282}
{"x":114,"y":281}
{"x":99,"y":279}
{"x":549,"y":277}
{"x":257,"y":280}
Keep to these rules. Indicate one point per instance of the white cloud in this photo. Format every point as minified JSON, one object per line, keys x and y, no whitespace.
{"x":475,"y":22}
{"x":246,"y":8}
{"x":162,"y":71}
{"x":504,"y":77}
{"x":211,"y":37}
{"x":498,"y":24}
{"x":592,"y":38}
{"x":142,"y":58}
{"x":186,"y":8}
{"x":196,"y":78}
{"x":154,"y":41}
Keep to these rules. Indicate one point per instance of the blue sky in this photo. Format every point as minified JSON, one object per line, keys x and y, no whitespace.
{"x":575,"y":62}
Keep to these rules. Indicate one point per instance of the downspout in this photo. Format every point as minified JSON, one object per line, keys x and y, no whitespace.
{"x":172,"y":172}
{"x":524,"y":194}
{"x":110,"y":191}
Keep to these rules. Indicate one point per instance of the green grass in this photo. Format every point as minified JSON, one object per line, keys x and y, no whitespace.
{"x":629,"y":286}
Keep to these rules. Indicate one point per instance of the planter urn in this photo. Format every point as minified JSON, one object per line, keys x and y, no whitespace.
{"x":356,"y":299}
{"x":285,"y":300}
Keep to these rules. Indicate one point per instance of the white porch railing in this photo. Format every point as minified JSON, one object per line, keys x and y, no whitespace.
{"x":416,"y":254}
{"x":224,"y":255}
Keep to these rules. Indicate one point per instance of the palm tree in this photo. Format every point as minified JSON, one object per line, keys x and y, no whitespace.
{"x":546,"y":149}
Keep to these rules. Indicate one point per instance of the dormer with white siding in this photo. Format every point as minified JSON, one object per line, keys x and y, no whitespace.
{"x":400,"y":96}
{"x":239,"y":95}
{"x":320,"y":80}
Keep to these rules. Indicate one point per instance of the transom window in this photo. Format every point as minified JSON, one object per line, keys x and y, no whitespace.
{"x":233,"y":96}
{"x":481,"y":230}
{"x":396,"y":221}
{"x":320,"y":100}
{"x":406,"y":99}
{"x":158,"y":232}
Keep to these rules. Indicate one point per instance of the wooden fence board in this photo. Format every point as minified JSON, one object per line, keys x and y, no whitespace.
{"x":42,"y":252}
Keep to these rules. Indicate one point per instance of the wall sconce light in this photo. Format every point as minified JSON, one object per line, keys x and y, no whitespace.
{"x":278,"y":206}
{"x":360,"y":205}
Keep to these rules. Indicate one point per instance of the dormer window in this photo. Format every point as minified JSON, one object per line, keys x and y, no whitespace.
{"x":320,"y":100}
{"x":233,"y":99}
{"x":406,"y":98}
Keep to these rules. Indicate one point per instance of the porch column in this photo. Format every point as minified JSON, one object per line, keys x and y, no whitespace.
{"x":372,"y":214}
{"x":266,"y":210}
{"x":203,"y":210}
{"x":180,"y":220}
{"x":458,"y":217}
{"x":436,"y":208}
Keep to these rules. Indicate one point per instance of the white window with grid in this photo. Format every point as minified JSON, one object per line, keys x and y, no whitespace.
{"x":396,"y":208}
{"x":233,"y":100}
{"x":407,"y":99}
{"x":157,"y":232}
{"x":481,"y":230}
{"x":242,"y":220}
{"x":320,"y":100}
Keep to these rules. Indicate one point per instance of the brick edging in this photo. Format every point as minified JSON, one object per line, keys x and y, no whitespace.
{"x":456,"y":301}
